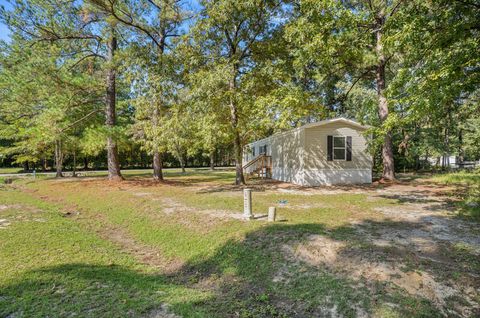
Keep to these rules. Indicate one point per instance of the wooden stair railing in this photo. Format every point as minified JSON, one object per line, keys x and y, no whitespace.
{"x":262,"y":165}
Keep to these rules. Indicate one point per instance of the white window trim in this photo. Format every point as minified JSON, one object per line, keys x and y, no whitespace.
{"x":344,"y":148}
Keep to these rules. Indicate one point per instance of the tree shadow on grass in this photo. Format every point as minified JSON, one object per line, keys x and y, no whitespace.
{"x":243,"y":278}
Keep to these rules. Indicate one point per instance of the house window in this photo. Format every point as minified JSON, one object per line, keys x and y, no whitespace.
{"x":339,"y":148}
{"x":263,"y":150}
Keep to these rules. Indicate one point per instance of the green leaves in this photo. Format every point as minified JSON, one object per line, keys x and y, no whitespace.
{"x":237,"y":71}
{"x":43,"y":98}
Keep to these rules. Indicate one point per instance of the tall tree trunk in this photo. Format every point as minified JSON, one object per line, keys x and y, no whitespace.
{"x":157,"y":157}
{"x":157,"y":166}
{"x":387,"y":149}
{"x":212,"y":160}
{"x":110,"y":113}
{"x":74,"y":170}
{"x":85,"y":163}
{"x":426,"y":162}
{"x":446,"y":156}
{"x":460,"y":146}
{"x":58,"y":159}
{"x":239,"y":178}
{"x":182,"y":162}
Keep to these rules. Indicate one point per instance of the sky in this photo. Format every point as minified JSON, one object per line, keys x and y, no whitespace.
{"x":4,"y":32}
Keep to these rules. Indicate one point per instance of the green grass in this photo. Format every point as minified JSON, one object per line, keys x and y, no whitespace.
{"x":51,"y":265}
{"x":464,"y":178}
{"x":10,"y":170}
{"x":468,"y":192}
{"x":61,"y":266}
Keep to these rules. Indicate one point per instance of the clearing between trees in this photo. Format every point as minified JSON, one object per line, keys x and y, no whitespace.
{"x":138,"y":248}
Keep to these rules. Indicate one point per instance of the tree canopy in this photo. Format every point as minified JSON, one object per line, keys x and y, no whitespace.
{"x":154,"y":83}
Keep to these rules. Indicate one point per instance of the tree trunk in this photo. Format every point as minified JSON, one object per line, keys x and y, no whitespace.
{"x":460,"y":146}
{"x":446,"y":156}
{"x":239,"y":178}
{"x":212,"y":160}
{"x":182,"y":162}
{"x":58,"y":159}
{"x":112,"y":151}
{"x":85,"y":163}
{"x":157,"y":166}
{"x":387,"y":149}
{"x":426,"y":162}
{"x":157,"y":157}
{"x":74,"y":170}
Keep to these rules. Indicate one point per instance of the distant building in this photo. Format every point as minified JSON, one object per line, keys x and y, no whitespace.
{"x":444,"y":161}
{"x":452,"y":162}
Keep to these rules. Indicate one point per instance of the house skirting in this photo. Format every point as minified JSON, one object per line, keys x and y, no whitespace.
{"x":318,"y":177}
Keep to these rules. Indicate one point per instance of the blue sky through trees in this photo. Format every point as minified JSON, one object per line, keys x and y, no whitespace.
{"x":5,"y":32}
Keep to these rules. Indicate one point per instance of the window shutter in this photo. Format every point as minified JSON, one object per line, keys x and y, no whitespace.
{"x":330,"y":148}
{"x":349,"y":148}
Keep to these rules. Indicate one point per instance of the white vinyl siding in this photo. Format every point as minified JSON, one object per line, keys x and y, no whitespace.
{"x":300,"y":156}
{"x":316,"y":147}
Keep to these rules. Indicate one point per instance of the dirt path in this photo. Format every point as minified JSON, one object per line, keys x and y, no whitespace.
{"x":422,"y":247}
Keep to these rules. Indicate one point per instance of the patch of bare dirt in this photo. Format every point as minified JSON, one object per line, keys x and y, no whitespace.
{"x":4,"y":207}
{"x":142,"y":194}
{"x":4,"y":223}
{"x":170,"y":206}
{"x":427,"y":229}
{"x":430,"y":215}
{"x":23,"y":213}
{"x":337,"y":257}
{"x":162,"y":312}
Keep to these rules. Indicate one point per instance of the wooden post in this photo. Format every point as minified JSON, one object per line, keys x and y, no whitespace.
{"x":247,"y":204}
{"x":272,"y":214}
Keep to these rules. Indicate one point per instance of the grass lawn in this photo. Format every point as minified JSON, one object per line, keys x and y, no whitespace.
{"x":465,"y":178}
{"x":468,"y":191}
{"x":90,"y":248}
{"x":10,"y":170}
